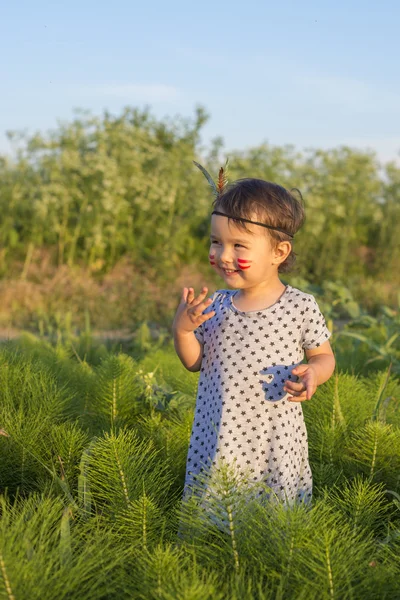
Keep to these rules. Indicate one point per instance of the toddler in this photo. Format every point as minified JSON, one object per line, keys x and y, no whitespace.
{"x":248,"y":342}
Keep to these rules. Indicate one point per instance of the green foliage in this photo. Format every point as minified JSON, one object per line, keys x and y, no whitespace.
{"x":43,"y":553}
{"x":115,"y":395}
{"x":129,"y":484}
{"x":170,"y":371}
{"x":99,"y":190}
{"x":379,"y":335}
{"x":169,"y":573}
{"x":362,"y":503}
{"x":92,"y":471}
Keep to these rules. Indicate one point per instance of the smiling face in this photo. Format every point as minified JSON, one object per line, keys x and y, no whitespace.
{"x":245,"y":259}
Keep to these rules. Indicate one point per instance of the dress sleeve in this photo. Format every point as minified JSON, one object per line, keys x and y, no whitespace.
{"x":199,"y":332}
{"x":314,"y":332}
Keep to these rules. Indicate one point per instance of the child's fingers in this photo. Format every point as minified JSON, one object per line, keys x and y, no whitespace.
{"x":190,"y":295}
{"x":298,"y":398}
{"x":300,"y":390}
{"x":190,"y":298}
{"x":200,"y":303}
{"x":187,"y":295}
{"x":200,"y":319}
{"x":208,"y":315}
{"x":296,"y":389}
{"x":201,"y":296}
{"x":294,"y":386}
{"x":197,"y":309}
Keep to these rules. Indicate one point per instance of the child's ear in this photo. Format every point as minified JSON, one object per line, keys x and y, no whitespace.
{"x":282,"y":250}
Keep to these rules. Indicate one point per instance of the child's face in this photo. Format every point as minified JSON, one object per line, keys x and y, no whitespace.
{"x":244,"y":259}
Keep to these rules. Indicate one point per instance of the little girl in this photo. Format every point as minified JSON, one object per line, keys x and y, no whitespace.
{"x":248,"y":343}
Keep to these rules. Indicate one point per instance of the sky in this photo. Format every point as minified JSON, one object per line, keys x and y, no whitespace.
{"x":310,"y":74}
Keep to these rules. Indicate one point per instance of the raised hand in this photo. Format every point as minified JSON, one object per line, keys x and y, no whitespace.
{"x":189,"y":314}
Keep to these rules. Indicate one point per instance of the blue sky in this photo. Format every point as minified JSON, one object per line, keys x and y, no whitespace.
{"x":310,"y":74}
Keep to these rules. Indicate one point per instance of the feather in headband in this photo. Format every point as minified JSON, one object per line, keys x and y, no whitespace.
{"x":219,"y":187}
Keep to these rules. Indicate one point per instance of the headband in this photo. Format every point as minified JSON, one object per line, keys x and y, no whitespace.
{"x":216,"y":212}
{"x":218,"y":190}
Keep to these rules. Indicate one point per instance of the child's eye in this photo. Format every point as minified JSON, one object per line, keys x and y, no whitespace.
{"x":217,"y":242}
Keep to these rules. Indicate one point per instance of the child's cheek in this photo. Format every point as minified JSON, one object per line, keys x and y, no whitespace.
{"x":211,"y":258}
{"x":244,"y":264}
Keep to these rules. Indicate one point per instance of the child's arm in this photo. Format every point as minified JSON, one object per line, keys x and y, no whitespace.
{"x":323,"y":361}
{"x":189,"y":316}
{"x":189,"y":350}
{"x":320,"y":358}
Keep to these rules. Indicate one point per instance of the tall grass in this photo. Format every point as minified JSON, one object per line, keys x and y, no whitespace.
{"x":92,"y":469}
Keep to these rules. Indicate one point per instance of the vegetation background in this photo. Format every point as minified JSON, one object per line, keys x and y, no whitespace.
{"x":103,"y":221}
{"x":107,"y":219}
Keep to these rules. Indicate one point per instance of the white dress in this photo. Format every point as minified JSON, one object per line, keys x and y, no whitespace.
{"x":242,"y":415}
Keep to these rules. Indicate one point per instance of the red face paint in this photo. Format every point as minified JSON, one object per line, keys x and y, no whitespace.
{"x":211,"y":258}
{"x":243,"y":264}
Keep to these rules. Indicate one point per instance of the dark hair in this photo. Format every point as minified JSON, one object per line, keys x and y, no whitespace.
{"x":271,"y":203}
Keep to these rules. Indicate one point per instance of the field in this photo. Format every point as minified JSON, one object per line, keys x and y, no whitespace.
{"x":104,"y":221}
{"x":93,"y":447}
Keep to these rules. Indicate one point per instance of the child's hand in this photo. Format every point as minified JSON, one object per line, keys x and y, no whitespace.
{"x":304,"y":389}
{"x":189,"y":314}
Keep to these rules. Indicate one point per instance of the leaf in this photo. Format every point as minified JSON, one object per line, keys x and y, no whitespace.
{"x":380,"y":396}
{"x":84,"y":494}
{"x":353,"y":309}
{"x":364,"y":339}
{"x":65,"y":538}
{"x":391,"y":340}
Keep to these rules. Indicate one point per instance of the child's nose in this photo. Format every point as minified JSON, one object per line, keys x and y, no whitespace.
{"x":225,"y":255}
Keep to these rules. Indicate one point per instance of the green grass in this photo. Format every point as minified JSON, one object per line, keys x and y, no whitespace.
{"x":92,"y":467}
